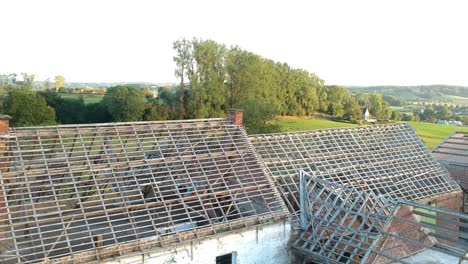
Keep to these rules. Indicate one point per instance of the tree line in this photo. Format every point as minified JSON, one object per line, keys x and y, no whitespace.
{"x":212,"y":79}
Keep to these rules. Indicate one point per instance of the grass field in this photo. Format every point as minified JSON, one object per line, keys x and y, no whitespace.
{"x":88,"y":98}
{"x":431,"y":134}
{"x":459,"y":100}
{"x":299,"y":124}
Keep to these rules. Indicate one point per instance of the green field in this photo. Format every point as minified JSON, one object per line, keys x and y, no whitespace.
{"x":459,"y":100}
{"x":88,"y":98}
{"x":431,"y":134}
{"x":300,"y":124}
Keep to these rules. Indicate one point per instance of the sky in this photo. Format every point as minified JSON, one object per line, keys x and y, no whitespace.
{"x":343,"y":42}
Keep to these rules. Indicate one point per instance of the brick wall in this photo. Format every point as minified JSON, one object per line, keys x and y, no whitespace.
{"x":4,"y":131}
{"x":236,"y":116}
{"x":398,"y":248}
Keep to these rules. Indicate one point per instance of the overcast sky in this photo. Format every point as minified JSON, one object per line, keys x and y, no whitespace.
{"x":343,"y":42}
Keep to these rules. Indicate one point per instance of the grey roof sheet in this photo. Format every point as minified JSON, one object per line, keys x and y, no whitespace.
{"x":453,"y":149}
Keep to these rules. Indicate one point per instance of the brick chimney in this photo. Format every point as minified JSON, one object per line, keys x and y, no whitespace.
{"x":4,"y":138}
{"x":236,"y":116}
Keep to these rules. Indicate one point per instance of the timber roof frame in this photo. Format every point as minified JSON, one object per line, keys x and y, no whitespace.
{"x":84,"y":193}
{"x":341,"y":224}
{"x":387,"y":159}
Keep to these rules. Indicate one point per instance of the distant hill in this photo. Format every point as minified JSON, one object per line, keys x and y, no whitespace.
{"x":434,"y":93}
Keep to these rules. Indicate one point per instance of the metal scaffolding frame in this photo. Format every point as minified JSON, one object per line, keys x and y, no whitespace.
{"x":83,"y":193}
{"x":341,"y":224}
{"x":384,"y":159}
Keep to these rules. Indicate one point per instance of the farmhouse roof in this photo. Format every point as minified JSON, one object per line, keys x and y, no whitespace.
{"x":83,"y":193}
{"x":386,"y":159}
{"x":453,"y":149}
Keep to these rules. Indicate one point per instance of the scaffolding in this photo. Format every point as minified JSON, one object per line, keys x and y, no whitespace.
{"x":341,"y":224}
{"x":385,"y":159}
{"x":84,"y":193}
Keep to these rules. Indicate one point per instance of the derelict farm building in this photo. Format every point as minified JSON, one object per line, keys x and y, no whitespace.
{"x":203,"y":191}
{"x":371,"y":194}
{"x":453,"y":154}
{"x":91,"y":193}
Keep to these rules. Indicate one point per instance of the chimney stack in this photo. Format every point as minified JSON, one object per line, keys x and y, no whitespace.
{"x":236,"y":116}
{"x":4,"y":125}
{"x":4,"y":138}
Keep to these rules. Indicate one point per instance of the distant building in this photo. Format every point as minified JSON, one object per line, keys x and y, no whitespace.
{"x":365,"y":114}
{"x":451,"y":122}
{"x":442,"y":122}
{"x":455,"y":123}
{"x":89,"y":90}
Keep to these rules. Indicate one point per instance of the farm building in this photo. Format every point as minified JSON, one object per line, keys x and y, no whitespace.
{"x":202,"y":191}
{"x":453,"y":154}
{"x":146,"y":192}
{"x":371,"y":194}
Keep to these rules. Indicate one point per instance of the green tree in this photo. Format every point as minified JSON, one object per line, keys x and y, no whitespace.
{"x":378,"y":107}
{"x":59,"y":82}
{"x":396,"y":115}
{"x":407,"y":117}
{"x":155,"y":112}
{"x":207,"y":74}
{"x":353,"y":110}
{"x":28,"y":108}
{"x":124,"y":103}
{"x":28,"y":81}
{"x":443,"y":112}
{"x":147,"y":93}
{"x":258,"y":116}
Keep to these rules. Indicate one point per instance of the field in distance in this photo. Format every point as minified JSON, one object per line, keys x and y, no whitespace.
{"x":431,"y":134}
{"x":88,"y":98}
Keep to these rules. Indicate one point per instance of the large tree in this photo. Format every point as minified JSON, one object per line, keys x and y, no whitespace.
{"x":59,"y":82}
{"x":183,"y":58}
{"x":124,"y":103}
{"x":28,"y":108}
{"x":207,"y":77}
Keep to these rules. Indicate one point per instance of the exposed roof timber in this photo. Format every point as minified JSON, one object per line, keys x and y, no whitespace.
{"x":346,"y":225}
{"x":84,"y":189}
{"x":386,"y":159}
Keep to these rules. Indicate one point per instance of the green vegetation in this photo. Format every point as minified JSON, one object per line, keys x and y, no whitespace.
{"x":423,"y":93}
{"x":124,"y":103}
{"x":458,"y":100}
{"x":88,"y":98}
{"x":214,"y":78}
{"x":258,"y":117}
{"x":305,"y":123}
{"x":433,"y":134}
{"x":28,"y":108}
